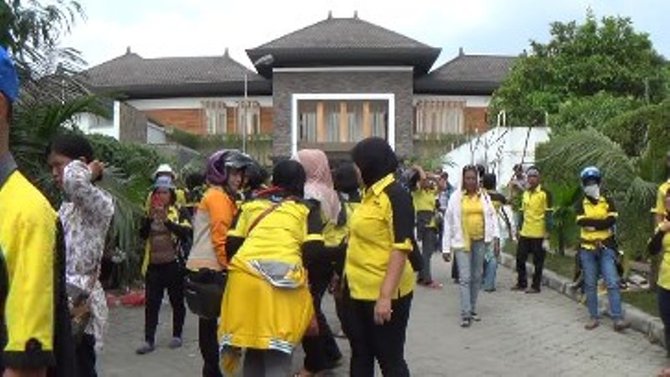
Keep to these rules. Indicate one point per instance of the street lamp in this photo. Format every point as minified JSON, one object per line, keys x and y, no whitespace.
{"x":263,"y":60}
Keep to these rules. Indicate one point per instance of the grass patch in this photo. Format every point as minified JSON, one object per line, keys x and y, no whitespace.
{"x":643,"y":300}
{"x":564,"y":266}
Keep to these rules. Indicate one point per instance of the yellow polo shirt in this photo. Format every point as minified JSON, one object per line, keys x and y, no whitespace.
{"x":383,"y":222}
{"x":535,"y":204}
{"x":600,"y":210}
{"x":27,"y":267}
{"x":664,"y":271}
{"x":473,"y":216}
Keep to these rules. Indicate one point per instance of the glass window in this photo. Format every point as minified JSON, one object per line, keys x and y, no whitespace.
{"x":307,"y":121}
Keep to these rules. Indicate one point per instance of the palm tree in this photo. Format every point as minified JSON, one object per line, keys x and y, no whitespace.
{"x":623,"y":178}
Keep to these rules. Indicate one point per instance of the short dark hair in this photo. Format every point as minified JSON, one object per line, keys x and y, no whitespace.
{"x":290,"y":176}
{"x":345,"y":178}
{"x":489,"y":181}
{"x":71,"y":145}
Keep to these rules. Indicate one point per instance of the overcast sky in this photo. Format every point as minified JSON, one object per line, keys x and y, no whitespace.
{"x":160,"y":28}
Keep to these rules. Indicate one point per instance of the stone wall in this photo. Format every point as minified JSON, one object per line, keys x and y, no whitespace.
{"x":285,"y":84}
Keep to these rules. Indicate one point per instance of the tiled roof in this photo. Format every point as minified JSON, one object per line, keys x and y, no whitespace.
{"x":134,"y":76}
{"x":466,"y":74}
{"x":345,"y":41}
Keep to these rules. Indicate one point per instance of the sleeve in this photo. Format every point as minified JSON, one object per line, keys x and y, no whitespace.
{"x":659,"y":208}
{"x":313,"y":242}
{"x":221,"y":211}
{"x":598,"y":224}
{"x":29,"y":307}
{"x":145,"y":225}
{"x":448,"y":224}
{"x":83,"y":193}
{"x":655,"y":244}
{"x":493,"y":216}
{"x":548,"y":211}
{"x":401,"y":218}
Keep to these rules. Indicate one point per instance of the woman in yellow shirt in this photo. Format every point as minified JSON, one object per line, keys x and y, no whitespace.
{"x":660,"y":243}
{"x":470,"y":229}
{"x":379,"y":282}
{"x":272,"y":238}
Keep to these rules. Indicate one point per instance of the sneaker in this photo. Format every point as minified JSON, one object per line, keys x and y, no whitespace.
{"x":465,"y":322}
{"x":489,"y":290}
{"x":145,"y":348}
{"x":176,"y":342}
{"x":592,"y":324}
{"x":532,"y":290}
{"x":620,"y":325}
{"x":518,"y":288}
{"x":475,"y":317}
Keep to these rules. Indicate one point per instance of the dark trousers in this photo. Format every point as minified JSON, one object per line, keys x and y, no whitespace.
{"x":454,"y":269}
{"x":321,"y":351}
{"x":664,"y":310}
{"x":161,"y":277}
{"x":369,"y":341}
{"x":428,"y":237}
{"x":209,"y":347}
{"x":530,"y":246}
{"x":85,"y":355}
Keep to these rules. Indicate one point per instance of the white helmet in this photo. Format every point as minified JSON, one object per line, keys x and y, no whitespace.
{"x":164,"y":169}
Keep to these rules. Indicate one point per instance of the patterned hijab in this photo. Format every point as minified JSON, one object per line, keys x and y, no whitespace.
{"x":319,"y":185}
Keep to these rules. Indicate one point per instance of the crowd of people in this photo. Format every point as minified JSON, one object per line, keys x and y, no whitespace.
{"x":364,"y":231}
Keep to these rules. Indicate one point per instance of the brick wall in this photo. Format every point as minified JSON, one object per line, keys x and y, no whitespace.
{"x":287,"y":83}
{"x":475,"y":119}
{"x":190,"y":120}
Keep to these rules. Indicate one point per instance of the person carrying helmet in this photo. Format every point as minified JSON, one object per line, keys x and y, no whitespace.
{"x":596,"y":217}
{"x":165,"y":170}
{"x":212,"y":219}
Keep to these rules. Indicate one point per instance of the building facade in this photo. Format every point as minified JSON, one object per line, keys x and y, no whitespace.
{"x":326,"y":86}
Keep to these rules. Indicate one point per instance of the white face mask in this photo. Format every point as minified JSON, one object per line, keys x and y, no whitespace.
{"x":592,"y":191}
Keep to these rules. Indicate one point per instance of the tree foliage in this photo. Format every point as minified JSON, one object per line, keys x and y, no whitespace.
{"x":582,"y":60}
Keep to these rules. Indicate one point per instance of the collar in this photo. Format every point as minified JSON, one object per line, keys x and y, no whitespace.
{"x":465,"y":192}
{"x":7,"y":167}
{"x":381,"y":184}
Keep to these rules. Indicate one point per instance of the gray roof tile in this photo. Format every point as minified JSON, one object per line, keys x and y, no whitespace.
{"x":476,"y":74}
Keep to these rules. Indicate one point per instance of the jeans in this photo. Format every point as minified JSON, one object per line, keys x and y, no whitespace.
{"x":470,"y":266}
{"x":369,"y":341}
{"x":490,"y":270}
{"x":266,"y":363}
{"x":601,"y":262}
{"x":161,"y":277}
{"x":428,"y":238}
{"x":664,"y":310}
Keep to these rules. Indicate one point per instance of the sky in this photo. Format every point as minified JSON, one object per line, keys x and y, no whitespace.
{"x":166,"y":28}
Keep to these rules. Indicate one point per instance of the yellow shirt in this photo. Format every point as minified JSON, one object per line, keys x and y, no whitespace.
{"x":473,"y":217}
{"x":664,"y":271}
{"x":424,"y":199}
{"x":383,"y":222}
{"x":534,"y":205}
{"x":27,"y":268}
{"x":659,"y":209}
{"x":601,"y":210}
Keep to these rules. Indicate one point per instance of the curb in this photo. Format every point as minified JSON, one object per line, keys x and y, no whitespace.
{"x":649,"y":325}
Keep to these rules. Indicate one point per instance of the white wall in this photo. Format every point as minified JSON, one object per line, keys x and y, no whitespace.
{"x":193,"y":102}
{"x":155,"y":134}
{"x":93,"y":124}
{"x":499,"y":149}
{"x":470,"y":101}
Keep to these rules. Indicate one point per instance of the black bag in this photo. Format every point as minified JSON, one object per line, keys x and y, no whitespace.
{"x":80,"y":311}
{"x":203,"y":291}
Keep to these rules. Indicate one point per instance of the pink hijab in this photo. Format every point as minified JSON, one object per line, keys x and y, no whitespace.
{"x":319,"y":185}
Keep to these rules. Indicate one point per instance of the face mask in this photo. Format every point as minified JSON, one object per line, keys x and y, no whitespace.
{"x":592,"y":191}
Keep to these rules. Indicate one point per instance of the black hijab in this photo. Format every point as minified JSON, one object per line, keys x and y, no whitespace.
{"x":375,"y":159}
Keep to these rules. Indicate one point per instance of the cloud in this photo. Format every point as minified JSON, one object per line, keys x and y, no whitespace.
{"x":158,"y":28}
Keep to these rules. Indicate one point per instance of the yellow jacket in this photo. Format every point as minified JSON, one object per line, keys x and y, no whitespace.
{"x":27,"y":269}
